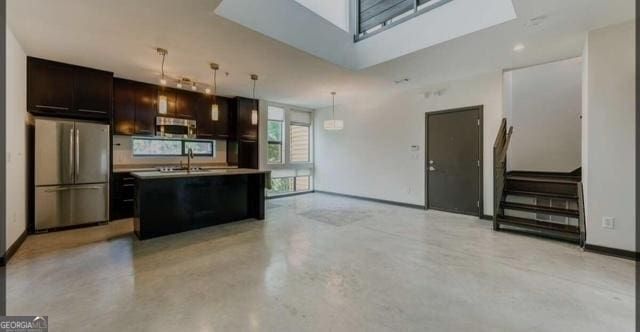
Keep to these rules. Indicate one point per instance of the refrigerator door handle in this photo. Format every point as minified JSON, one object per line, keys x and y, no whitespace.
{"x":77,"y":153}
{"x":53,"y":190}
{"x":71,"y":173}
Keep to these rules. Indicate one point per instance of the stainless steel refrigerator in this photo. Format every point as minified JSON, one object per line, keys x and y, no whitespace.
{"x":71,"y":173}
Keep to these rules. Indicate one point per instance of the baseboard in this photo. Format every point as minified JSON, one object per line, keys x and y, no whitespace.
{"x":13,"y":248}
{"x":620,"y":253}
{"x":407,"y":205}
{"x":288,"y":195}
{"x":486,"y":217}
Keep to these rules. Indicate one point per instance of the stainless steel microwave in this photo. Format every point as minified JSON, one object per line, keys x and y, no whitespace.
{"x":175,"y":127}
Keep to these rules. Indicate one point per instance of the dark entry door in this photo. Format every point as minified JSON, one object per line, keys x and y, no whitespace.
{"x":454,"y":160}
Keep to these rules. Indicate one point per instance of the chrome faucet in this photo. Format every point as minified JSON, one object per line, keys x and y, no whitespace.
{"x":189,"y":157}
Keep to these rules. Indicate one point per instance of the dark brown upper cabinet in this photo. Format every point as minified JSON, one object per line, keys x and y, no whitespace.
{"x":58,"y":89}
{"x":207,"y":128}
{"x":134,"y":108}
{"x":171,"y":96}
{"x":93,"y":92}
{"x":246,"y":129}
{"x":146,"y":108}
{"x":124,"y":110}
{"x":187,"y":102}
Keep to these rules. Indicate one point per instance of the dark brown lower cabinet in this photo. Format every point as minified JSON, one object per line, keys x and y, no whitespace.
{"x":122,"y":196}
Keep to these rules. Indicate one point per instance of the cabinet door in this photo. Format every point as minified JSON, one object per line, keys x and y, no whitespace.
{"x":186,"y":104}
{"x":146,"y":108}
{"x":49,"y":86}
{"x":93,"y":93}
{"x":247,"y":154}
{"x":203,"y":117}
{"x":221,"y":127}
{"x":170,"y":94}
{"x":246,"y":129}
{"x":124,"y":98}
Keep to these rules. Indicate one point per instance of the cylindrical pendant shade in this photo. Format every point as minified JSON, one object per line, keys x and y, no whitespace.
{"x":214,"y":112}
{"x":162,"y":104}
{"x":334,"y":125}
{"x":254,"y":117}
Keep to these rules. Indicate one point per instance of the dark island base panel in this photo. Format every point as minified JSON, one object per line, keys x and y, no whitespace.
{"x":174,"y":205}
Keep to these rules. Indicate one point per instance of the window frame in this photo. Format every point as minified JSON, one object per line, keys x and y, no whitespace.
{"x":280,"y":143}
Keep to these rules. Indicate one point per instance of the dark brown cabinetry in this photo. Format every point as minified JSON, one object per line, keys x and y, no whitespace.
{"x":134,"y":108}
{"x":246,"y":122}
{"x":242,"y":149}
{"x":207,"y":127}
{"x":186,"y":103}
{"x":124,"y":110}
{"x":122,"y":196}
{"x":58,"y":89}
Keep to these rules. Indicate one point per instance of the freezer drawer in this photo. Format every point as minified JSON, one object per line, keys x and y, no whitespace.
{"x":60,"y":206}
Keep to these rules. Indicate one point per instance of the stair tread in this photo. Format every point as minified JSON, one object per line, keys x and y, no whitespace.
{"x":542,"y":194}
{"x":544,"y":209}
{"x":547,"y":179}
{"x":530,"y":223}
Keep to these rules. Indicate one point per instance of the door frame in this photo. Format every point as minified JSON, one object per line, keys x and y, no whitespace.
{"x":480,"y":110}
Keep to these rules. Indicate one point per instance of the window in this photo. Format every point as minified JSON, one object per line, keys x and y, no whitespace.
{"x":171,"y":147}
{"x":300,"y":149}
{"x":288,"y":185}
{"x":156,"y":147}
{"x":378,"y":15}
{"x":275,"y":128}
{"x":199,"y":148}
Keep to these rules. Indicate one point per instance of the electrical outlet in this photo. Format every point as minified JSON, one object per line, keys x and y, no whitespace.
{"x":608,"y":222}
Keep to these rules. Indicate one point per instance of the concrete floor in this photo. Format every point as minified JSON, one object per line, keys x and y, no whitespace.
{"x":320,"y":263}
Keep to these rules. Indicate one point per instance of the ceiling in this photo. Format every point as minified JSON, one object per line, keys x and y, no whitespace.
{"x":121,"y":36}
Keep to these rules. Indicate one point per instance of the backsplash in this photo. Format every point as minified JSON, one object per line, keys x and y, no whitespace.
{"x":123,"y":154}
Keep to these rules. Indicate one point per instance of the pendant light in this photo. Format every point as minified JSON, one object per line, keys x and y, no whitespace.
{"x":254,"y":111}
{"x":333,"y":124}
{"x":162,"y":99}
{"x":214,"y":106}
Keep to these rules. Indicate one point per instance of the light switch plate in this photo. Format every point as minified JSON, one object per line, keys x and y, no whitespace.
{"x":608,"y":222}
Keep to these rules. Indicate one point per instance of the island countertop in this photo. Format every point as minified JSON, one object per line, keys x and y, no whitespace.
{"x":150,"y":175}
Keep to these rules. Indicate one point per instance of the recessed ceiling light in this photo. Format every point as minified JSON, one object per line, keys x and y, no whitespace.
{"x":519,"y":47}
{"x":536,"y":20}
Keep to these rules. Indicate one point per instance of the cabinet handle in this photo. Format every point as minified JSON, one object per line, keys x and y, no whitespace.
{"x":221,"y":135}
{"x":53,"y":107}
{"x":128,"y":179}
{"x":128,"y":185}
{"x":127,"y":200}
{"x":143,"y":131}
{"x":90,"y":111}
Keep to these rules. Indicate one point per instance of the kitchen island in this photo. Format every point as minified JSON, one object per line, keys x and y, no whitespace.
{"x":168,"y":203}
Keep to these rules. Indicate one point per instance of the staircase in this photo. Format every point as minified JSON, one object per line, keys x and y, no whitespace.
{"x":539,"y":203}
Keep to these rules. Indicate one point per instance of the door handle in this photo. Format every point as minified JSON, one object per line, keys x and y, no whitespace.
{"x":73,"y":188}
{"x":77,"y":153}
{"x":71,"y":153}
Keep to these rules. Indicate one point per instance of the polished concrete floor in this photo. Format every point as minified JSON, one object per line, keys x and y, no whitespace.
{"x":320,"y":263}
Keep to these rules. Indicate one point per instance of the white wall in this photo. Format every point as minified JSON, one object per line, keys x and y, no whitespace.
{"x":544,"y":109}
{"x":334,"y":11}
{"x":609,"y":135}
{"x":371,"y":157}
{"x":16,"y":185}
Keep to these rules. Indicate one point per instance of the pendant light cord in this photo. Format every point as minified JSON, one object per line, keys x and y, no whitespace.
{"x":333,"y":114}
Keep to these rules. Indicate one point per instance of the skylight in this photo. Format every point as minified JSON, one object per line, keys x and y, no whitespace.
{"x":378,"y":15}
{"x":334,"y":11}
